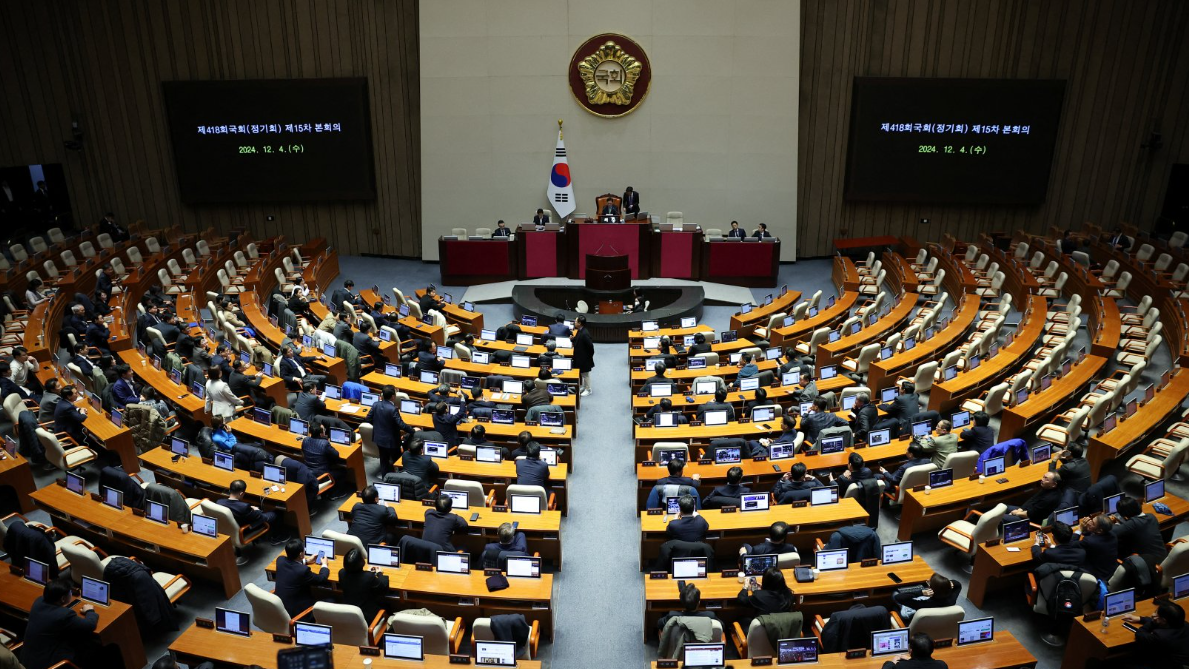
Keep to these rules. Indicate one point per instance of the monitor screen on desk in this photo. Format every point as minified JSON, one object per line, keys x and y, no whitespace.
{"x":232,"y":622}
{"x":1042,"y":453}
{"x":274,"y":474}
{"x":715,"y":418}
{"x":495,"y":653}
{"x":404,"y":647}
{"x":530,"y":321}
{"x":323,"y":549}
{"x":388,"y":492}
{"x":1111,"y":502}
{"x":951,"y":372}
{"x":728,"y":336}
{"x":552,"y":419}
{"x":994,"y":466}
{"x":823,"y":495}
{"x":705,"y":387}
{"x":392,"y":369}
{"x":514,"y":387}
{"x":780,"y":451}
{"x":1153,"y":490}
{"x":549,"y":456}
{"x":831,"y":560}
{"x":368,"y":399}
{"x":888,"y":394}
{"x":267,"y":369}
{"x":469,"y":383}
{"x":410,"y":407}
{"x":797,"y":651}
{"x":156,"y":512}
{"x":445,"y":352}
{"x":754,"y":502}
{"x":113,"y":498}
{"x":696,"y":363}
{"x":1068,"y":516}
{"x":878,"y":437}
{"x":660,"y":389}
{"x":299,"y":427}
{"x":117,"y":417}
{"x":1016,"y":531}
{"x":750,"y":383}
{"x":889,"y":642}
{"x":665,"y":419}
{"x":449,"y":562}
{"x":941,"y":478}
{"x":503,"y":416}
{"x":829,"y":372}
{"x":385,"y":335}
{"x":490,"y":454}
{"x":175,"y":375}
{"x":976,"y":631}
{"x":383,"y":556}
{"x":340,"y":436}
{"x":755,"y":565}
{"x":75,"y":483}
{"x":1118,"y":603}
{"x":37,"y":571}
{"x":772,"y":354}
{"x":560,"y":364}
{"x":1180,"y":586}
{"x":224,"y":461}
{"x":921,"y":428}
{"x":437,"y":449}
{"x":261,"y":416}
{"x":428,"y":376}
{"x":524,"y":339}
{"x":762,"y":414}
{"x":848,"y":402}
{"x":333,"y":392}
{"x":311,"y":634}
{"x":689,"y":322}
{"x":96,"y":591}
{"x":671,"y":505}
{"x":523,"y":566}
{"x":792,"y":378}
{"x":897,"y":553}
{"x":727,"y":455}
{"x":204,"y":525}
{"x":830,"y":445}
{"x":703,"y":655}
{"x":693,"y":567}
{"x":487,"y":335}
{"x":524,"y":504}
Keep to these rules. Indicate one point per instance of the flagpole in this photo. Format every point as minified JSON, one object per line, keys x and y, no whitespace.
{"x":559,"y":133}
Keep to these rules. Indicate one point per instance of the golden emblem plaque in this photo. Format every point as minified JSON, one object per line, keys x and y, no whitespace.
{"x":609,"y":75}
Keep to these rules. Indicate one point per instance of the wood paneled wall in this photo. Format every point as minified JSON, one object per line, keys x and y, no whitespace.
{"x":101,"y":62}
{"x":1125,"y":62}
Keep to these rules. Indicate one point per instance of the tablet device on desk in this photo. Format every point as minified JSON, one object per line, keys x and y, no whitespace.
{"x":728,"y":336}
{"x":667,"y":454}
{"x":976,"y":631}
{"x":453,"y":563}
{"x":763,"y":414}
{"x":1042,"y":453}
{"x":552,"y":419}
{"x":696,"y":363}
{"x":950,"y":372}
{"x":503,"y":416}
{"x":831,"y":445}
{"x":1118,"y":603}
{"x":388,"y":492}
{"x":299,"y":427}
{"x":671,"y":505}
{"x":888,"y":394}
{"x":404,"y":647}
{"x":650,"y":326}
{"x":705,"y":387}
{"x":156,"y":512}
{"x":328,"y":350}
{"x":829,"y":372}
{"x":792,"y":378}
{"x":921,"y":428}
{"x":796,"y":651}
{"x":334,"y":392}
{"x":175,"y":375}
{"x":726,"y":454}
{"x":383,"y":556}
{"x":941,"y":478}
{"x":1131,"y":407}
{"x":75,"y":483}
{"x":204,"y":525}
{"x":340,"y":436}
{"x":772,"y":354}
{"x":788,"y":321}
{"x":322,"y":548}
{"x":1153,"y":490}
{"x":780,"y":451}
{"x":524,"y":504}
{"x":487,"y":335}
{"x":855,"y":327}
{"x":445,"y":352}
{"x":736,"y":358}
{"x":877,"y":437}
{"x":403,"y":310}
{"x":1068,"y":516}
{"x":224,"y":461}
{"x":889,"y":642}
{"x":975,"y":361}
{"x":703,"y":655}
{"x":37,"y":571}
{"x":410,"y":407}
{"x":660,"y":390}
{"x":848,"y":402}
{"x":392,"y":369}
{"x":665,"y":419}
{"x":652,"y":342}
{"x":715,"y":418}
{"x":311,"y":634}
{"x":1016,"y":531}
{"x":113,"y":498}
{"x":368,"y":399}
{"x":260,"y":416}
{"x":959,"y":419}
{"x":692,"y":567}
{"x":562,"y":364}
{"x":437,"y":449}
{"x":488,"y":454}
{"x":530,"y":321}
{"x":232,"y":622}
{"x":557,"y":389}
{"x":385,"y":335}
{"x":1180,"y":586}
{"x":689,"y":322}
{"x":755,"y":565}
{"x":1110,"y":503}
{"x":823,"y":495}
{"x":750,"y":383}
{"x":514,"y":387}
{"x":897,"y":553}
{"x":549,"y":456}
{"x":469,"y":383}
{"x":428,"y":376}
{"x":495,"y":653}
{"x":274,"y":474}
{"x":117,"y":417}
{"x":267,"y":369}
{"x":460,"y":499}
{"x":96,"y":591}
{"x":521,"y":362}
{"x":994,"y":466}
{"x":524,"y":566}
{"x":831,"y":560}
{"x":754,"y":502}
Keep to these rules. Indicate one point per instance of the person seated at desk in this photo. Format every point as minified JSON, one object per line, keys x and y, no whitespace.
{"x":664,"y":406}
{"x":676,"y":470}
{"x":299,"y":299}
{"x":153,"y":399}
{"x":1119,"y":241}
{"x":736,"y":232}
{"x":1138,"y":532}
{"x":522,"y":443}
{"x":940,"y":592}
{"x":243,"y":385}
{"x":1162,"y":639}
{"x":691,"y":600}
{"x":939,"y":446}
{"x":979,"y":436}
{"x":631,"y":201}
{"x":220,"y":401}
{"x":638,"y":301}
{"x":108,"y":225}
{"x":920,"y":655}
{"x":55,"y":633}
{"x":322,"y":458}
{"x":376,"y":311}
{"x":478,"y":437}
{"x":427,"y":357}
{"x":293,"y":367}
{"x":431,"y":302}
{"x":441,"y":524}
{"x":818,"y":419}
{"x":1061,"y":549}
{"x":501,"y":228}
{"x":761,"y":399}
{"x":1074,"y":470}
{"x":170,"y":327}
{"x":658,"y":376}
{"x":747,"y":369}
{"x":775,"y":544}
{"x":123,"y":390}
{"x":308,"y":405}
{"x":902,"y":409}
{"x":49,"y":400}
{"x":23,"y":372}
{"x":69,"y":418}
{"x":446,"y":423}
{"x":762,"y":232}
{"x":795,"y":485}
{"x":345,"y":294}
{"x":545,"y":360}
{"x":98,"y":335}
{"x":864,"y":417}
{"x":34,"y":295}
{"x":366,"y":589}
{"x":1042,"y":503}
{"x":366,"y":345}
{"x":532,"y":470}
{"x":79,"y":358}
{"x":1102,"y":547}
{"x":294,"y":581}
{"x":510,"y":541}
{"x":719,"y":404}
{"x":916,"y":457}
{"x":248,"y":516}
{"x":609,"y":209}
{"x":688,"y":525}
{"x":221,"y":359}
{"x":727,"y":495}
{"x":700,"y":345}
{"x":342,"y":326}
{"x":1067,"y":243}
{"x":371,"y":521}
{"x":539,"y":394}
{"x":558,"y":327}
{"x":772,"y":596}
{"x":856,"y":470}
{"x":415,"y":462}
{"x":77,"y":320}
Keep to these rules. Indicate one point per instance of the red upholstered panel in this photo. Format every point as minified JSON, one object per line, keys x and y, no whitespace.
{"x":540,"y":254}
{"x":476,"y":258}
{"x":677,"y":253}
{"x":609,"y":240}
{"x":740,"y":259}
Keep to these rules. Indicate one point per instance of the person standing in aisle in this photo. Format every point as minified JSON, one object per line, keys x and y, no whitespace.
{"x":583,"y":354}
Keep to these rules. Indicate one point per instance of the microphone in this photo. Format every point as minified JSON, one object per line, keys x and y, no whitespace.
{"x":614,"y":249}
{"x":601,"y":248}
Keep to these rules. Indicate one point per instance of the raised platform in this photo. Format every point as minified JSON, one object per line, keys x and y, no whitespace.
{"x":714,"y":292}
{"x":667,"y":304}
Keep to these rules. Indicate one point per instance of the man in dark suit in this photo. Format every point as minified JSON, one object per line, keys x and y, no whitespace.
{"x":631,"y":201}
{"x":371,"y":521}
{"x":98,"y":336}
{"x":1102,"y":547}
{"x":856,"y":470}
{"x":245,"y":514}
{"x":700,"y":345}
{"x":322,"y":458}
{"x":558,"y":327}
{"x":916,"y":457}
{"x":295,"y":580}
{"x":664,"y":406}
{"x":761,"y":232}
{"x":77,"y":320}
{"x":540,"y":218}
{"x":293,"y":367}
{"x":342,"y":327}
{"x":123,"y":391}
{"x":736,"y":232}
{"x":795,"y":485}
{"x":308,"y":405}
{"x":345,"y":294}
{"x":103,"y":282}
{"x":1074,"y":470}
{"x":819,"y":419}
{"x":430,"y":300}
{"x":416,"y":462}
{"x":677,"y":475}
{"x":69,"y":418}
{"x":920,"y":655}
{"x":774,"y":545}
{"x":55,"y":633}
{"x":609,"y":209}
{"x":1043,"y":503}
{"x":427,"y":357}
{"x":864,"y":418}
{"x":730,"y":494}
{"x":170,"y":328}
{"x":904,"y":407}
{"x":441,"y":524}
{"x":1061,"y":550}
{"x":387,"y":426}
{"x":108,"y":224}
{"x":688,"y":525}
{"x":979,"y":436}
{"x":532,"y":470}
{"x":1119,"y":241}
{"x":364,"y":343}
{"x":719,"y":404}
{"x":501,"y":228}
{"x":241,"y":384}
{"x":446,"y":423}
{"x":1162,"y":639}
{"x":1138,"y":532}
{"x":583,"y":354}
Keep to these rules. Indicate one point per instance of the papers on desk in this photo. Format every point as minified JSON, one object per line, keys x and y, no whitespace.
{"x":348,"y":408}
{"x":1013,"y":549}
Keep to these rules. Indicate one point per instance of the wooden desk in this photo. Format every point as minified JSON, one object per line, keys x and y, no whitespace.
{"x":883,"y":373}
{"x":830,"y":591}
{"x":333,"y":367}
{"x":543,"y":530}
{"x":745,"y":324}
{"x":941,"y":506}
{"x":831,"y":353}
{"x":638,"y":353}
{"x":830,"y":317}
{"x":469,"y":322}
{"x":188,"y":405}
{"x":728,"y":531}
{"x":845,"y":274}
{"x":634,"y":335}
{"x":116,"y":627}
{"x":416,"y":389}
{"x":1005,"y":652}
{"x":777,"y":394}
{"x":476,"y":369}
{"x":197,"y":645}
{"x":1106,"y":447}
{"x":1043,"y":405}
{"x":205,"y":480}
{"x":418,"y":328}
{"x":1086,"y":641}
{"x":16,"y":473}
{"x":900,"y":272}
{"x":123,"y":533}
{"x":727,"y":372}
{"x":995,"y":568}
{"x":280,"y":441}
{"x":424,"y":421}
{"x":497,"y":476}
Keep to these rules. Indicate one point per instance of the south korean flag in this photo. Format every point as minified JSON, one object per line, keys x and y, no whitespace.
{"x":561,"y":186}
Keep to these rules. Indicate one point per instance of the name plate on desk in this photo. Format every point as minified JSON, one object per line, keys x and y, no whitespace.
{"x":655,"y":512}
{"x":60,"y":482}
{"x":466,"y":458}
{"x":729,"y":509}
{"x":492,"y":572}
{"x":666,"y":664}
{"x":96,"y":497}
{"x":255,"y":474}
{"x":918,"y":488}
{"x":730,"y":573}
{"x":695,"y":423}
{"x":204,"y":623}
{"x":15,"y":570}
{"x":1092,"y":616}
{"x":973,"y":477}
{"x":427,"y":502}
{"x":801,"y":503}
{"x":856,"y":653}
{"x":943,"y":643}
{"x":460,"y":659}
{"x":482,"y":419}
{"x":499,"y":508}
{"x":646,"y":463}
{"x":139,"y":513}
{"x":658,"y":575}
{"x":1024,"y":463}
{"x":282,"y":638}
{"x":705,"y":461}
{"x":424,"y":566}
{"x":869,"y":562}
{"x":994,"y":542}
{"x":371,"y":651}
{"x":859,"y":445}
{"x":761,"y":661}
{"x":760,"y":458}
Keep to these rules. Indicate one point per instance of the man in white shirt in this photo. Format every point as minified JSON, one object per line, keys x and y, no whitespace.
{"x":23,"y":368}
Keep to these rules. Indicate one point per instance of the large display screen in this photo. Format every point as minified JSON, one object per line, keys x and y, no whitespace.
{"x":272,"y":140}
{"x":952,"y":140}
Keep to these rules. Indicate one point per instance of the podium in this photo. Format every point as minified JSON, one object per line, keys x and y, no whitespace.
{"x":608,"y":272}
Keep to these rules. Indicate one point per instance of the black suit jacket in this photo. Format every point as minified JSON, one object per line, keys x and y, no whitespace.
{"x":243,"y":512}
{"x":387,"y":425}
{"x":242,"y":384}
{"x":422,"y":466}
{"x":1076,"y":474}
{"x":583,"y":351}
{"x":367,"y":346}
{"x":308,"y":405}
{"x":904,"y":408}
{"x":631,"y":202}
{"x":1072,"y":553}
{"x":977,"y":437}
{"x":364,"y":589}
{"x":1140,"y":535}
{"x":370,"y":522}
{"x":688,"y":528}
{"x":293,"y":582}
{"x":69,"y":419}
{"x":865,"y":419}
{"x":532,"y":472}
{"x":440,"y":527}
{"x":55,"y":633}
{"x":1102,"y":551}
{"x":737,"y":232}
{"x":609,"y":209}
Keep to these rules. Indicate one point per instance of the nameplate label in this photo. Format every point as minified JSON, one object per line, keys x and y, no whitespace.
{"x":371,"y":651}
{"x":1160,"y":598}
{"x":730,"y":573}
{"x":531,"y":423}
{"x":856,"y":653}
{"x":658,"y":575}
{"x":646,"y":463}
{"x":666,"y":664}
{"x":204,"y":623}
{"x":918,"y":488}
{"x":208,"y":461}
{"x":943,"y":643}
{"x":761,"y":661}
{"x":491,"y":572}
{"x":705,"y":461}
{"x":139,"y":513}
{"x":1092,"y":616}
{"x":427,"y":502}
{"x":646,"y":423}
{"x":282,"y":638}
{"x":729,"y":509}
{"x":655,"y":512}
{"x":61,"y":482}
{"x":973,"y":477}
{"x":869,"y":562}
{"x":859,"y":445}
{"x":15,"y":570}
{"x":695,"y":423}
{"x":800,"y":503}
{"x":460,"y":659}
{"x":424,"y":566}
{"x":499,"y":508}
{"x":743,"y":420}
{"x":255,"y":474}
{"x":760,"y":458}
{"x":482,"y":419}
{"x":994,"y":542}
{"x":96,"y":497}
{"x":1023,"y":463}
{"x":466,"y":458}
